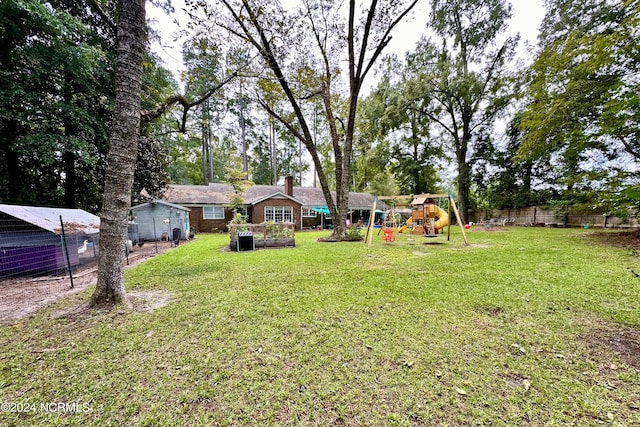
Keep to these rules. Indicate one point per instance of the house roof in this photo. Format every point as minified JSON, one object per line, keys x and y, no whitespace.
{"x":75,"y":220}
{"x":161,"y":202}
{"x":212,"y":194}
{"x":279,"y":195}
{"x":218,"y":194}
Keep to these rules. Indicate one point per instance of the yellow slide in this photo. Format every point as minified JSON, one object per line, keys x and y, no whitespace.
{"x":443,"y":218}
{"x":406,"y":224}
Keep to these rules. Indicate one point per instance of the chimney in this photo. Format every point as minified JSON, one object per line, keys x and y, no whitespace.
{"x":288,"y":185}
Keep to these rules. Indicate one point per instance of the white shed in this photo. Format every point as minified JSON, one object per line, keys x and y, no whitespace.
{"x":158,"y":219}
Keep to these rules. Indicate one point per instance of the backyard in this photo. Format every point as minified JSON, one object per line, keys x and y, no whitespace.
{"x":527,"y":326}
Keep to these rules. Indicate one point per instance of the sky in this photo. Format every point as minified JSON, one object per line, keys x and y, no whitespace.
{"x":527,"y":15}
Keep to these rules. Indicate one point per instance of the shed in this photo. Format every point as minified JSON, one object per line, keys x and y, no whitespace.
{"x":157,"y":219}
{"x":31,"y":238}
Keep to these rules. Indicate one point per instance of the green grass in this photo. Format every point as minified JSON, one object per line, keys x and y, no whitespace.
{"x":513,"y":330}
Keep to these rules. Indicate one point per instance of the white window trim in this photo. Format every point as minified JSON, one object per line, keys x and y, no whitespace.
{"x":286,"y":212}
{"x":309,"y":213}
{"x":213,"y":210}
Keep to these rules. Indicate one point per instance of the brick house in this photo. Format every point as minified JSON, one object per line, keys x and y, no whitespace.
{"x":303,"y":206}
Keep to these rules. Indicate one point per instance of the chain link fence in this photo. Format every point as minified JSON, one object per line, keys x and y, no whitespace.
{"x":39,"y":258}
{"x":45,"y":258}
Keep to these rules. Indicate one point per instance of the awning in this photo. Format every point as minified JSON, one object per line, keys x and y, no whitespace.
{"x":321,"y":209}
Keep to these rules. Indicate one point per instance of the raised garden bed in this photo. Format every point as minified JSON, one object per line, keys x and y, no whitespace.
{"x":267,"y":235}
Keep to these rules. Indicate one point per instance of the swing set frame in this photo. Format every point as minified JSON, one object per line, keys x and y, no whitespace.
{"x":405,"y":200}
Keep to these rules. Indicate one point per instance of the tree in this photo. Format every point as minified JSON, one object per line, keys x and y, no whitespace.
{"x":504,"y":181}
{"x":285,"y":42}
{"x":121,"y":160}
{"x":157,"y":137}
{"x":395,"y":112}
{"x":583,"y":91}
{"x":54,"y":106}
{"x":468,"y":80}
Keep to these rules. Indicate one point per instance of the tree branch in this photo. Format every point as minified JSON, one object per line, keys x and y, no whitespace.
{"x":148,"y":116}
{"x":96,"y":8}
{"x":386,"y":39}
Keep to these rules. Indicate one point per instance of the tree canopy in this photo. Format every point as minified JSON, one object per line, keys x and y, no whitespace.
{"x":277,"y":89}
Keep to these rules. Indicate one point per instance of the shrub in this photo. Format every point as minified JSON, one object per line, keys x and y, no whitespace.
{"x":353,"y":234}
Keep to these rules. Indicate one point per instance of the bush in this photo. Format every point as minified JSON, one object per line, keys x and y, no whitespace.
{"x":353,"y":234}
{"x":277,"y":231}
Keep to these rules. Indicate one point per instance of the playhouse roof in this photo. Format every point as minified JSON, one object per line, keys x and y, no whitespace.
{"x":75,"y":220}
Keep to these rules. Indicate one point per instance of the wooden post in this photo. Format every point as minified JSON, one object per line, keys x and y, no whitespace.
{"x":368,"y":238}
{"x":66,"y":251}
{"x":449,"y":222}
{"x":455,"y":210}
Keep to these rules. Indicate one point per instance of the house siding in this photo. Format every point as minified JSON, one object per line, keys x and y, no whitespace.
{"x":311,"y":222}
{"x":258,"y":210}
{"x":196,"y":218}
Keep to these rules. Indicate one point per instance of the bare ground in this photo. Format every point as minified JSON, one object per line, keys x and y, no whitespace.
{"x":20,"y":297}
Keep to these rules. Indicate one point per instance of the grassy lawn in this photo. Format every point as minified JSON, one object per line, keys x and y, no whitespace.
{"x":527,"y":326}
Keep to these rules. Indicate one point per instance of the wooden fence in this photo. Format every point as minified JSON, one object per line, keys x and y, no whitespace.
{"x":537,"y":216}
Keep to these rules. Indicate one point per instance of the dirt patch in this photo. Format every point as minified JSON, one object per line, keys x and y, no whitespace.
{"x":20,"y":297}
{"x":149,"y":300}
{"x":622,"y":239}
{"x":143,"y":301}
{"x":623,"y":340}
{"x":627,"y":344}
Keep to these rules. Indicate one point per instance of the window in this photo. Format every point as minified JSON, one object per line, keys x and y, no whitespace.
{"x":309,"y":213}
{"x":213,"y":212}
{"x":278,"y":213}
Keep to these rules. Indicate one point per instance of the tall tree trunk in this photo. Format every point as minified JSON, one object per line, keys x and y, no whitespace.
{"x":69,"y":165}
{"x":463,"y":189}
{"x":121,"y":160}
{"x":205,"y":142}
{"x":12,"y":164}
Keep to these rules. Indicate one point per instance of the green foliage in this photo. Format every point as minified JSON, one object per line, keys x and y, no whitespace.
{"x":383,"y":184}
{"x":158,"y":138}
{"x":56,"y":100}
{"x":623,"y":203}
{"x":354,"y":234}
{"x":55,"y":104}
{"x":503,"y":180}
{"x":467,"y":80}
{"x":395,"y":132}
{"x":277,"y":230}
{"x":583,"y":100}
{"x":238,"y":218}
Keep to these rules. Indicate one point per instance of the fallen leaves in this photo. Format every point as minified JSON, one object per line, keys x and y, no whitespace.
{"x":461,"y":391}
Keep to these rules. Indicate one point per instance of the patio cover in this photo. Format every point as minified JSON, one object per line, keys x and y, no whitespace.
{"x":321,"y":209}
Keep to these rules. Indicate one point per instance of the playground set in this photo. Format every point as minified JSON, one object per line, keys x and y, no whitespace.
{"x":427,"y":218}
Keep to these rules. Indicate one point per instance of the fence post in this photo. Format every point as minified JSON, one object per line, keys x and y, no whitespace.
{"x":66,"y":251}
{"x":155,"y":236}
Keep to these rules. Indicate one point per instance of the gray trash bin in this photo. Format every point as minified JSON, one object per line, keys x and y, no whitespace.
{"x":176,"y":235}
{"x":245,"y":241}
